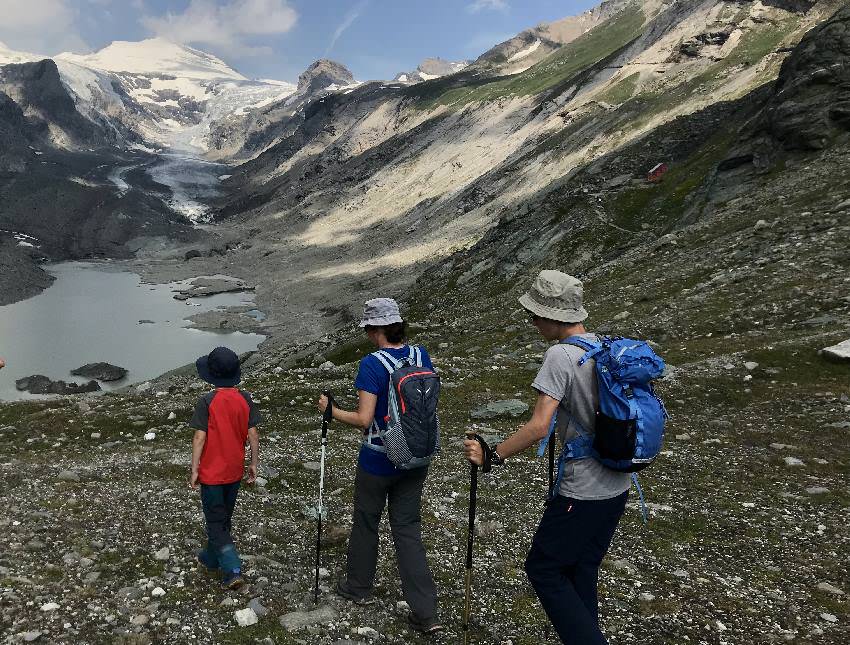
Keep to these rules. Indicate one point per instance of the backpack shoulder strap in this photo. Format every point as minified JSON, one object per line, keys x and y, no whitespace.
{"x":418,"y":355}
{"x":591,"y":349}
{"x":386,"y":360}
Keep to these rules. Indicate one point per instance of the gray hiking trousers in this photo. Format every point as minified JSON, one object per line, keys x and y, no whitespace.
{"x":404,"y":493}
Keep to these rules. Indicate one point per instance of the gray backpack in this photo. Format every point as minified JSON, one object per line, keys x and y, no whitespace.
{"x":412,"y":437}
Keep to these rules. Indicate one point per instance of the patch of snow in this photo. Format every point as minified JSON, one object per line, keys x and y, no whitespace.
{"x":526,"y":52}
{"x":223,"y":177}
{"x":428,"y":77}
{"x":27,"y":244}
{"x":403,"y":78}
{"x":117,"y":178}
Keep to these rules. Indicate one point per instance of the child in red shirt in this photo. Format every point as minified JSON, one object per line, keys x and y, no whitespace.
{"x":224,"y":420}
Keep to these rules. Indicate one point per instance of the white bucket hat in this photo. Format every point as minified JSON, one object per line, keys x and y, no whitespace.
{"x":556,"y":296}
{"x":380,"y":312}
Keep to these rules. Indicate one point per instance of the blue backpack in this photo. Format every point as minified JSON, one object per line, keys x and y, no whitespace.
{"x":629,"y":427}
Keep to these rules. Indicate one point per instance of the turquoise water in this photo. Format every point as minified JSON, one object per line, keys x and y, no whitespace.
{"x":91,"y":313}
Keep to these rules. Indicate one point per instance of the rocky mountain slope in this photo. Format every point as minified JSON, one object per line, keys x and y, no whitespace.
{"x":431,"y":68}
{"x":423,"y":171}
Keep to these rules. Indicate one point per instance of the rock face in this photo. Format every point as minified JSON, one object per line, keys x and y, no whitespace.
{"x":39,"y":384}
{"x":38,"y":90}
{"x":431,"y":68}
{"x":322,"y":74}
{"x":101,"y":371}
{"x":811,"y":105}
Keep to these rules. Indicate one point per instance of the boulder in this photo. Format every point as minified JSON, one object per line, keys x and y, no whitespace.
{"x":101,"y":371}
{"x":296,"y":620}
{"x":507,"y":408}
{"x":246,"y":617}
{"x":40,"y":384}
{"x":839,"y":353}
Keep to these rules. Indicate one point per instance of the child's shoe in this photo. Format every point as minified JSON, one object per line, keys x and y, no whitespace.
{"x":232,"y":579}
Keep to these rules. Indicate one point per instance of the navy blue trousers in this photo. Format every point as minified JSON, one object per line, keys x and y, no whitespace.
{"x":218,"y":502}
{"x":563,"y":564}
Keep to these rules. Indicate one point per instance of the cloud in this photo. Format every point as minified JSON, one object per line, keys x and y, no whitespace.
{"x":487,"y":5}
{"x":40,"y":26}
{"x":230,"y":26}
{"x":349,"y":19}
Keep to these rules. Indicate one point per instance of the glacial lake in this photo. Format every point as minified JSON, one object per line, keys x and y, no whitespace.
{"x":91,"y":314}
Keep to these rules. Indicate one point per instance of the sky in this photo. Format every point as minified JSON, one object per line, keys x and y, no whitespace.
{"x":279,"y":39}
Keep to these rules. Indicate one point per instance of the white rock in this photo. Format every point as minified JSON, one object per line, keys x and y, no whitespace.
{"x":158,"y":592}
{"x":793,"y":461}
{"x":839,"y":352}
{"x":817,"y":490}
{"x":367,"y":632}
{"x":163,"y":554}
{"x":172,"y":416}
{"x":681,"y":573}
{"x":830,"y":618}
{"x":49,"y":606}
{"x":750,"y":366}
{"x":720,"y":626}
{"x":246,"y":617}
{"x":646,"y":597}
{"x":95,"y":435}
{"x":828,"y":588}
{"x":150,"y":436}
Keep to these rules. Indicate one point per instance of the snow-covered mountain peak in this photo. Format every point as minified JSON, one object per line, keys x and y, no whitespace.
{"x":9,"y":55}
{"x":156,"y":56}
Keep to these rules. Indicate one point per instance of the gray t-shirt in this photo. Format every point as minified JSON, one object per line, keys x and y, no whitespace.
{"x":576,"y":389}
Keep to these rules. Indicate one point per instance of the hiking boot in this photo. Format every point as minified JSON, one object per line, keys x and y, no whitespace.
{"x":232,"y":579}
{"x":342,"y":589}
{"x":204,"y":563}
{"x":427,"y":627}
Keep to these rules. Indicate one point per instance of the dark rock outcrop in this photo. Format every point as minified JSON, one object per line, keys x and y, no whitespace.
{"x":811,"y":105}
{"x":38,"y":89}
{"x":793,"y":6}
{"x":101,"y":371}
{"x":39,"y":384}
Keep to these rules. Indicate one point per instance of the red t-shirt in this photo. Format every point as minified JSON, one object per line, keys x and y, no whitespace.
{"x":225,"y":415}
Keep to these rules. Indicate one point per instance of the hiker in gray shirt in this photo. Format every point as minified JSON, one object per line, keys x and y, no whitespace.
{"x":580,"y":520}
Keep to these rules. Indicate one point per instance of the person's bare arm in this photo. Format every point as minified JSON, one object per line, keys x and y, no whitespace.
{"x":362,"y":417}
{"x":198,"y":442}
{"x":527,"y":435}
{"x":254,"y":443}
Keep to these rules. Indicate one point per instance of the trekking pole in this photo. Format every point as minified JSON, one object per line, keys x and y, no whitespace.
{"x":473,"y":496}
{"x":326,"y":422}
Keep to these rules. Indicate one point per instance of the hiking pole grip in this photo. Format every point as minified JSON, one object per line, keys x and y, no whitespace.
{"x":328,"y":414}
